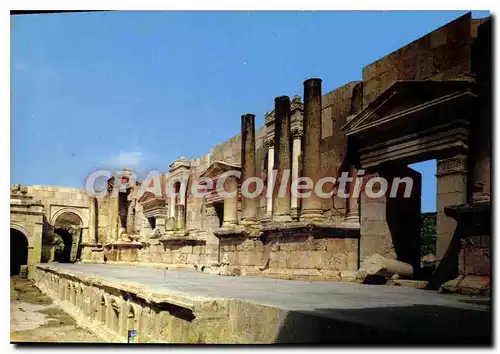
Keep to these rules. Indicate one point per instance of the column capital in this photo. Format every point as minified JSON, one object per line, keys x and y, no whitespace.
{"x":269,"y":142}
{"x":296,"y":132}
{"x":455,"y":164}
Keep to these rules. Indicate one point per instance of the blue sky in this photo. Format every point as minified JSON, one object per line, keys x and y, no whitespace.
{"x":100,"y":90}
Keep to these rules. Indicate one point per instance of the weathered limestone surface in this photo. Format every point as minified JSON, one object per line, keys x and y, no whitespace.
{"x":382,"y":267}
{"x":192,"y":307}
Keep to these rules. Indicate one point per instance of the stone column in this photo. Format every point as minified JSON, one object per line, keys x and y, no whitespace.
{"x":353,"y":201}
{"x":311,"y":161}
{"x":114,"y":218}
{"x":171,"y":214}
{"x":248,"y":167}
{"x":270,"y":167}
{"x":182,"y":192}
{"x":180,"y":217}
{"x":231,"y":203}
{"x":92,"y":235}
{"x":296,"y":151}
{"x":451,"y":190}
{"x":131,"y":218}
{"x":160,"y":224}
{"x":212,"y":245}
{"x":282,"y":159}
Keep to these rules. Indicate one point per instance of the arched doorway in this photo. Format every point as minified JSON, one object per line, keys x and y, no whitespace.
{"x":67,"y":234}
{"x":18,"y":251}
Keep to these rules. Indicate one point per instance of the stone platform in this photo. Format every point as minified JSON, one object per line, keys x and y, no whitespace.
{"x":185,"y":306}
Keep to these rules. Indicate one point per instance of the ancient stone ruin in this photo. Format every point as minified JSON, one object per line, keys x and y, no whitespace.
{"x":431,"y":99}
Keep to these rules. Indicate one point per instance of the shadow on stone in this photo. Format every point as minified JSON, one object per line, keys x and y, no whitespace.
{"x":413,"y":325}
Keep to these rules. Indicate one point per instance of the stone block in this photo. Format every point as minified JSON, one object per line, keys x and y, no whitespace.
{"x":229,"y":258}
{"x":455,"y":183}
{"x":304,"y":259}
{"x":381,"y":266}
{"x":335,"y":245}
{"x":278,"y":259}
{"x":334,"y":260}
{"x":326,"y":122}
{"x":352,"y":260}
{"x":475,"y":261}
{"x":186,"y":249}
{"x":250,"y":258}
{"x":288,"y":244}
{"x":348,"y":275}
{"x":351,"y":244}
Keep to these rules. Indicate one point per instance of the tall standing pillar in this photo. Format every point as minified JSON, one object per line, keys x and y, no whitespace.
{"x":171,"y":214}
{"x":182,"y":192}
{"x":296,"y":151}
{"x":180,"y":219}
{"x":282,"y":159}
{"x":248,"y":167}
{"x":270,"y":176}
{"x":311,"y":162}
{"x":92,"y":238}
{"x":231,"y":203}
{"x":451,"y":190}
{"x":114,"y":217}
{"x":353,"y":200}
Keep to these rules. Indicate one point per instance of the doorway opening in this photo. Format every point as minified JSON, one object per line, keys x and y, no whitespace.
{"x":18,"y":251}
{"x":67,"y":234}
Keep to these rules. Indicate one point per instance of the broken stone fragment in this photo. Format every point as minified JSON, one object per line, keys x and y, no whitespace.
{"x":377,"y":266}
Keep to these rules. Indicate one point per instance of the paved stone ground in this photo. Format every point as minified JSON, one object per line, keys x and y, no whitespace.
{"x":410,"y":311}
{"x":35,"y":319}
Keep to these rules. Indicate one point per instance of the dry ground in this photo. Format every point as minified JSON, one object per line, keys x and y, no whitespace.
{"x":34,"y":318}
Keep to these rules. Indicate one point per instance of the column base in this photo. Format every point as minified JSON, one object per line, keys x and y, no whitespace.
{"x":282,"y":218}
{"x":312,"y":215}
{"x":352,"y":218}
{"x":249,"y":221}
{"x":229,"y":224}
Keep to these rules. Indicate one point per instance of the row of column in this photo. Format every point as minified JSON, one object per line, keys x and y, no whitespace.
{"x":284,"y":157}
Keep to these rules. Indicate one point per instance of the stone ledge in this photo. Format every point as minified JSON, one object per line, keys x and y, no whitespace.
{"x":317,"y":229}
{"x":182,"y":238}
{"x":123,"y":244}
{"x":180,"y":299}
{"x":229,"y":232}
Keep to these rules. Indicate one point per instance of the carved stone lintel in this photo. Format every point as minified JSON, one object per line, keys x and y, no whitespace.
{"x":452,"y":165}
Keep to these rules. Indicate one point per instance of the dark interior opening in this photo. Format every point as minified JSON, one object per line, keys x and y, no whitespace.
{"x":219,"y":209}
{"x":18,"y":251}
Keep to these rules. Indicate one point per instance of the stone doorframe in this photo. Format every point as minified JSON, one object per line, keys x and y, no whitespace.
{"x":414,"y":121}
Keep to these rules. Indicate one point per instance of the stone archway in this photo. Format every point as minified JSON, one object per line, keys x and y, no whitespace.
{"x":18,"y":250}
{"x":67,"y":236}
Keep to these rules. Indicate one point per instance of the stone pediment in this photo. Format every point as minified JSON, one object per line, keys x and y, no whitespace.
{"x":416,"y":99}
{"x":147,"y":197}
{"x":219,"y":167}
{"x":180,"y":163}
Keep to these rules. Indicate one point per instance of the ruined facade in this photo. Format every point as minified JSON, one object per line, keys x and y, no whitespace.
{"x":427,"y":100}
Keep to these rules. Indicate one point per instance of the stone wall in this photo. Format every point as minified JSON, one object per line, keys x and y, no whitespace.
{"x":297,"y":256}
{"x":443,"y":54}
